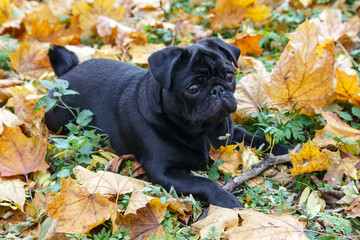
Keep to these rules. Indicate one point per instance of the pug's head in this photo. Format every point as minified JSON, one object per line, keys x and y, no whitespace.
{"x":198,"y":82}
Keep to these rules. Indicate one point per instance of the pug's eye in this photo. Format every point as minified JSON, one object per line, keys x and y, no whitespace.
{"x":229,"y":77}
{"x":193,"y":89}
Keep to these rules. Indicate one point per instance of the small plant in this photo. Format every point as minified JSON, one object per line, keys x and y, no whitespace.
{"x":159,"y":35}
{"x":213,"y":234}
{"x":286,"y":127}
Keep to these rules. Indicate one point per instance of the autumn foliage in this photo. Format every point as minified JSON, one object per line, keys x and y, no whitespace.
{"x":298,"y":83}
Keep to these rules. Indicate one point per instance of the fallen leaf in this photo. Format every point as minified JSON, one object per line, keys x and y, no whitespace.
{"x":231,"y":157}
{"x":42,"y":31}
{"x":140,"y":53}
{"x":138,"y":200}
{"x":220,"y":218}
{"x":175,"y":205}
{"x":309,"y":159}
{"x":250,"y":93}
{"x":89,"y":12}
{"x":31,"y":60}
{"x":9,"y":119}
{"x":230,"y":14}
{"x":248,"y":158}
{"x":332,"y":175}
{"x":256,"y":225}
{"x":301,"y":76}
{"x":78,"y":210}
{"x":353,"y":210}
{"x":20,"y":155}
{"x":5,"y":85}
{"x":13,"y":189}
{"x":107,"y":183}
{"x":336,"y":127}
{"x":248,"y":43}
{"x":305,"y":3}
{"x":5,"y":11}
{"x":146,"y":223}
{"x":331,"y":26}
{"x":347,"y":85}
{"x":344,"y":166}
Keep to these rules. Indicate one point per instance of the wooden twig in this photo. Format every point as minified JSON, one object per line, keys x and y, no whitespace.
{"x":257,"y":168}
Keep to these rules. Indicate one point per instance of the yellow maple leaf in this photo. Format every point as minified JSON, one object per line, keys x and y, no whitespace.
{"x":230,"y":156}
{"x":309,"y":159}
{"x":258,"y":12}
{"x":301,"y":76}
{"x":31,"y":60}
{"x":347,"y":86}
{"x":88,"y":12}
{"x":5,"y":11}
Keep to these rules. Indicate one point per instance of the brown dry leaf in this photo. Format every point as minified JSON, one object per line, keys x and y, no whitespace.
{"x":347,"y":86}
{"x":220,"y":218}
{"x":89,"y":12}
{"x":78,"y":210}
{"x":104,"y":54}
{"x":13,"y":189}
{"x":337,"y":127}
{"x":107,"y":183}
{"x":5,"y":11}
{"x":146,"y":223}
{"x":309,"y":159}
{"x":140,"y":53}
{"x":250,"y":93}
{"x":138,"y":200}
{"x":231,"y":157}
{"x":184,"y":208}
{"x":248,"y":43}
{"x":301,"y":75}
{"x":230,"y":13}
{"x":343,"y":166}
{"x":24,"y":102}
{"x":256,"y":225}
{"x":330,"y":25}
{"x":332,"y":175}
{"x":31,"y":60}
{"x":354,"y":209}
{"x":9,"y":119}
{"x":20,"y":155}
{"x":5,"y":85}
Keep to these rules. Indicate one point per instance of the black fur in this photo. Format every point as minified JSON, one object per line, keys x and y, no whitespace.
{"x":152,"y":115}
{"x":62,"y":60}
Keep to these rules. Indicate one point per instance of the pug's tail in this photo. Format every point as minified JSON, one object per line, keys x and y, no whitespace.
{"x":62,"y":60}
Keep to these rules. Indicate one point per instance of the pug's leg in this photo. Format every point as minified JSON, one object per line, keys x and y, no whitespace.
{"x":201,"y":188}
{"x":256,"y":141}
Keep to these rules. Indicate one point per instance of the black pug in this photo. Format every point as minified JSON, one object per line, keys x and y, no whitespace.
{"x":167,"y":117}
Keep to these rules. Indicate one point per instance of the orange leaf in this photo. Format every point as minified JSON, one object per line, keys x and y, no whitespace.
{"x":336,"y":127}
{"x":309,"y":159}
{"x":248,"y":44}
{"x":31,"y":60}
{"x":78,"y":210}
{"x":230,"y":156}
{"x":145,"y":224}
{"x":20,"y":155}
{"x":301,"y":75}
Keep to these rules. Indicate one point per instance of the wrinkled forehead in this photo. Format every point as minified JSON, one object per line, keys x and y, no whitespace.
{"x":201,"y":59}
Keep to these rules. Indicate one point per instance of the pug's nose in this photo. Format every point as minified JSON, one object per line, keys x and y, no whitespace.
{"x":217,"y":91}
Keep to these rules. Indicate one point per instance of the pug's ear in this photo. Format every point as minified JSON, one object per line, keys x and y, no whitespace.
{"x":162,"y":63}
{"x":232,"y":52}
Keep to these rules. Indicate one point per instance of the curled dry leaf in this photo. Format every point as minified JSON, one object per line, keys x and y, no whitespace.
{"x":13,"y":189}
{"x":138,"y":200}
{"x":146,"y":223}
{"x":309,"y":159}
{"x":250,"y":93}
{"x":249,"y":158}
{"x":248,"y":43}
{"x":231,"y":157}
{"x":20,"y":155}
{"x":5,"y":85}
{"x":31,"y":60}
{"x":78,"y":210}
{"x":305,"y":72}
{"x":9,"y":119}
{"x":343,"y":166}
{"x":354,"y":209}
{"x":331,"y":26}
{"x":347,"y":87}
{"x":107,"y":183}
{"x":336,"y":127}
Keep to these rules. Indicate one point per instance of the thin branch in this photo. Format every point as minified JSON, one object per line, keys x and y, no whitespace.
{"x":258,"y":168}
